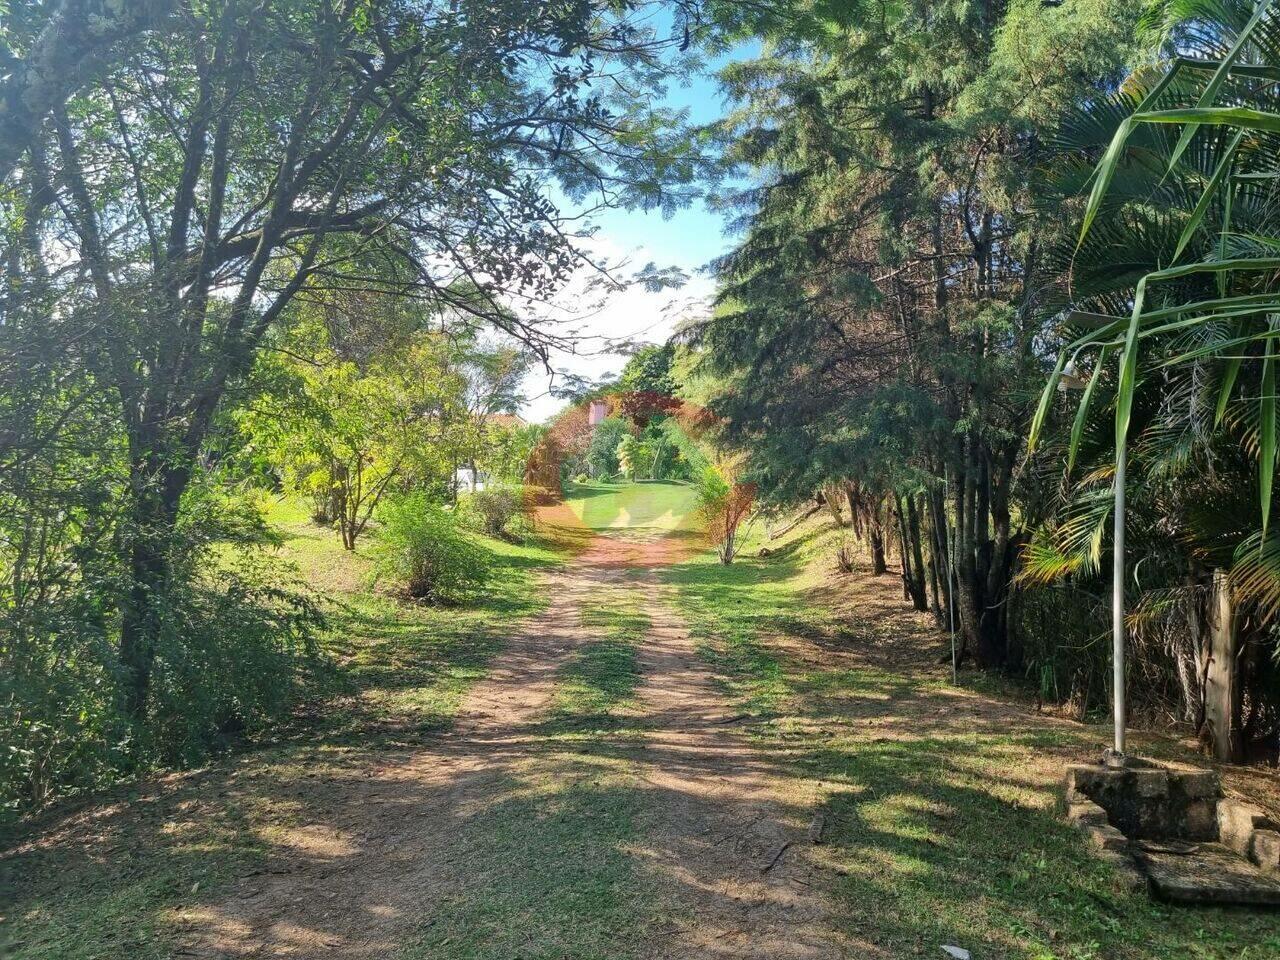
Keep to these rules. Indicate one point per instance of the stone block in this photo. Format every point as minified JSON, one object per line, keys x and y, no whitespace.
{"x":1082,"y":778}
{"x":1105,"y":837}
{"x":1086,"y":812}
{"x":1199,"y":820}
{"x":1093,"y":781}
{"x":1197,"y":784}
{"x":1210,"y":874}
{"x":1077,"y":796}
{"x":1264,"y":850}
{"x":1150,"y":784}
{"x":1237,"y":822}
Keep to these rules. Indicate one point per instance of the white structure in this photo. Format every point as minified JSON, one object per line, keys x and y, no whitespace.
{"x":599,"y":410}
{"x":467,"y":480}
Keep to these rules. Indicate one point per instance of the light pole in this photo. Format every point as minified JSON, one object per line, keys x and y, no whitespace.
{"x":1117,"y":612}
{"x":1070,"y":380}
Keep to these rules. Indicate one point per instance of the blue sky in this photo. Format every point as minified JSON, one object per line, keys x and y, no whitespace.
{"x":689,"y":239}
{"x":694,"y":235}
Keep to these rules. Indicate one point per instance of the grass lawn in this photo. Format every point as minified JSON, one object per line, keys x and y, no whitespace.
{"x":107,"y":883}
{"x":598,"y":684}
{"x":405,"y":665}
{"x":941,"y":802}
{"x":633,"y":510}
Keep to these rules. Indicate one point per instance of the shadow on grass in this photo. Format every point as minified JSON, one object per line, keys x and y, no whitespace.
{"x":939,"y":832}
{"x":102,"y":876}
{"x":941,"y":802}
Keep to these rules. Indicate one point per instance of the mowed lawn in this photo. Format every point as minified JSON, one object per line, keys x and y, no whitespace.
{"x":650,"y":508}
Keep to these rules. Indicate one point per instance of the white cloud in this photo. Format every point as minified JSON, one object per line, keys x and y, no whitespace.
{"x":603,"y":322}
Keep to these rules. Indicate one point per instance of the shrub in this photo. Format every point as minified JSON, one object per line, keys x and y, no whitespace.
{"x":846,"y":553}
{"x":425,"y":550}
{"x":238,"y":643}
{"x":723,"y":506}
{"x":494,"y":511}
{"x":235,"y":653}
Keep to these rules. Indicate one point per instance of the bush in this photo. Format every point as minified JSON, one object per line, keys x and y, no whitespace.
{"x":425,"y":550}
{"x":234,"y":658}
{"x":723,"y":506}
{"x":237,"y":647}
{"x":846,"y":553}
{"x":494,"y":511}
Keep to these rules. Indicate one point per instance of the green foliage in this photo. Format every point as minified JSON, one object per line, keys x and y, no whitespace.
{"x":423,"y":550}
{"x":385,"y":173}
{"x":236,"y":650}
{"x":233,"y":658}
{"x":713,"y":490}
{"x":649,"y":370}
{"x":636,"y":457}
{"x":496,"y":511}
{"x":883,"y":323}
{"x":344,"y":433}
{"x":602,"y":451}
{"x":506,"y":451}
{"x":678,"y":456}
{"x":405,"y":670}
{"x":1179,"y":334}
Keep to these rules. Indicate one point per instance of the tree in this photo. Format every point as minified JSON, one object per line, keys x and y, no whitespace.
{"x":648,"y":370}
{"x":635,"y":457}
{"x":49,"y":51}
{"x":603,"y":449}
{"x":723,"y":506}
{"x":879,"y":323}
{"x":250,"y":154}
{"x":347,"y":436}
{"x":1178,"y":335}
{"x":508,"y":451}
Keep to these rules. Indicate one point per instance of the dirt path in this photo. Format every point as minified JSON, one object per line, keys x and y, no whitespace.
{"x":381,"y":849}
{"x":738,"y":852}
{"x":356,"y":880}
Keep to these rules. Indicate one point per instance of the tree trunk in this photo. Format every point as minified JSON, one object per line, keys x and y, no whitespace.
{"x":155,"y":490}
{"x":1222,"y":684}
{"x":875,"y":533}
{"x":855,"y":514}
{"x":941,"y":549}
{"x":918,"y":599}
{"x":831,"y":499}
{"x":935,"y":601}
{"x":968,"y":603}
{"x":993,"y":650}
{"x":904,"y":562}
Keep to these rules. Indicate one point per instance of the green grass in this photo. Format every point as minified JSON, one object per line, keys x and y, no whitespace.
{"x":399,"y":672}
{"x":645,"y":509}
{"x":601,"y":678}
{"x":941,"y":802}
{"x":407,"y":664}
{"x":549,"y":873}
{"x":730,"y":608}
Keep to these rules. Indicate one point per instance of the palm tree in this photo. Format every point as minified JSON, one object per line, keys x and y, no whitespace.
{"x":1172,"y":297}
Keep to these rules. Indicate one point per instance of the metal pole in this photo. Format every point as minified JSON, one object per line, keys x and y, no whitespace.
{"x":1117,"y":604}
